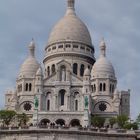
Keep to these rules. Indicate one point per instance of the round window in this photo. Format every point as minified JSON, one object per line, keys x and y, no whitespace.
{"x":27,"y":106}
{"x":102,"y":107}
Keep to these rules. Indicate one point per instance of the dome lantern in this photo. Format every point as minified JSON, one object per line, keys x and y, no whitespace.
{"x":71,"y":3}
{"x":102,"y":48}
{"x":30,"y":65}
{"x":31,"y":48}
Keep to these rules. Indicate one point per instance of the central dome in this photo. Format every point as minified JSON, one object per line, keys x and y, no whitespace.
{"x":70,"y":28}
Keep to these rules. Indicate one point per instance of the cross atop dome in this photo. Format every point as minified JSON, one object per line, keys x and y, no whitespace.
{"x":102,"y":48}
{"x":71,"y":3}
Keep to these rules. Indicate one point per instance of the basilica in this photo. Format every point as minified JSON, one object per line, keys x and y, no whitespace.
{"x":70,"y":85}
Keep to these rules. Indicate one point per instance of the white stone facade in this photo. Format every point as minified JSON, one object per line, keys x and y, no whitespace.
{"x":70,"y":86}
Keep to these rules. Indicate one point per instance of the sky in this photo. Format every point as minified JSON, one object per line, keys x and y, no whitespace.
{"x":118,"y":21}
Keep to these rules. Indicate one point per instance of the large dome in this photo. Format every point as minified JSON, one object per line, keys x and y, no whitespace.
{"x":30,"y":65}
{"x":70,"y":27}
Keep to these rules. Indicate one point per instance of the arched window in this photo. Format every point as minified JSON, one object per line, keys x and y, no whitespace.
{"x":48,"y":70}
{"x":104,"y":87}
{"x":94,"y":88}
{"x":48,"y":105}
{"x":76,"y":105}
{"x":75,"y":66}
{"x":53,"y":68}
{"x":82,"y":70}
{"x":101,"y":87}
{"x":30,"y":87}
{"x":26,"y":87}
{"x":110,"y":88}
{"x":62,"y":97}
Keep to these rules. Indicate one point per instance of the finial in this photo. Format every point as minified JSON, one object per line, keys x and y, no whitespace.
{"x":70,"y":7}
{"x":71,"y":3}
{"x":32,"y":48}
{"x":103,"y":48}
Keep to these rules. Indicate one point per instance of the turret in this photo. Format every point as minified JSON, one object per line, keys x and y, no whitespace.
{"x":103,"y":74}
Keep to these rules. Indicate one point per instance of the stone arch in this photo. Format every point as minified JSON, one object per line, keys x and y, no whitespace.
{"x":75,"y":123}
{"x":75,"y":96}
{"x":46,"y":100}
{"x":60,"y":122}
{"x":102,"y":106}
{"x":44,"y":122}
{"x":26,"y":105}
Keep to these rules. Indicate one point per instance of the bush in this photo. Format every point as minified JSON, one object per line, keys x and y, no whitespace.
{"x":97,"y":121}
{"x":122,"y":120}
{"x":112,"y":121}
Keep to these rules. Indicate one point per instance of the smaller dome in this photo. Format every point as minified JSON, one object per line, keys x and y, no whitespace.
{"x":103,"y":67}
{"x":87,"y":72}
{"x":30,"y":65}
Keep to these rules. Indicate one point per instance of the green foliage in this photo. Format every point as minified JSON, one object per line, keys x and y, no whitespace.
{"x":6,"y":116}
{"x":22,"y":119}
{"x":122,"y":120}
{"x":135,"y":126}
{"x":98,"y":121}
{"x":129,"y":126}
{"x":112,"y":121}
{"x":138,"y":119}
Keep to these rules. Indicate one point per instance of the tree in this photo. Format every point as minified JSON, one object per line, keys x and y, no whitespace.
{"x":130,"y":125}
{"x":22,"y":119}
{"x":122,"y":120}
{"x":112,"y":121}
{"x":98,"y":121}
{"x":6,"y":116}
{"x":138,"y":119}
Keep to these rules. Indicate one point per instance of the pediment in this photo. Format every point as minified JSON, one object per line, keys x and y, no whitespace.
{"x":50,"y":80}
{"x":76,"y":79}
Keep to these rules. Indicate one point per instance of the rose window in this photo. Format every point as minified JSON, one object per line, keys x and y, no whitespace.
{"x":27,"y":106}
{"x":102,"y":107}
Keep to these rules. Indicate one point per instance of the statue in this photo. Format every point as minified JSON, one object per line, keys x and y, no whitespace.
{"x":86,"y":102}
{"x":36,"y":102}
{"x":63,"y":74}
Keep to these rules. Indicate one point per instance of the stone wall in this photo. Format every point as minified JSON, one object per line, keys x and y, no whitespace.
{"x":44,"y":134}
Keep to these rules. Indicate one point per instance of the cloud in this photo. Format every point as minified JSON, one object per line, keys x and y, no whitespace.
{"x":118,"y":21}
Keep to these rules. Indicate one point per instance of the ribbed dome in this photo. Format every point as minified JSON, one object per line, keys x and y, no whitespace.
{"x":70,"y":27}
{"x":30,"y":65}
{"x":103,"y":67}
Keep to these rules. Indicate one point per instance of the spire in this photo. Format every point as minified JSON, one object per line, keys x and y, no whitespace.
{"x":102,"y":48}
{"x":32,"y":48}
{"x":70,"y":7}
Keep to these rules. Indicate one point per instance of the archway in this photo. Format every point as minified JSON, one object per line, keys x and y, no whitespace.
{"x":44,"y":122}
{"x":60,"y":122}
{"x":75,"y":122}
